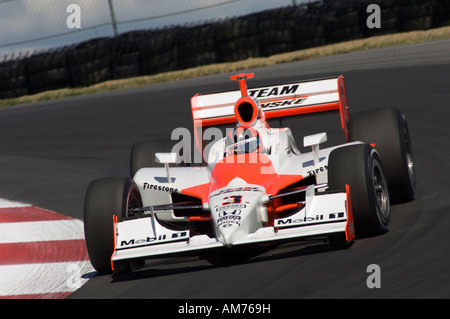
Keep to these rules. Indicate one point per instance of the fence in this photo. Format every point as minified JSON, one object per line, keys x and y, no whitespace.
{"x":262,"y":34}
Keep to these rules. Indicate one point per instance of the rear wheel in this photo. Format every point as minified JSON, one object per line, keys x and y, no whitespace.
{"x":359,"y":166}
{"x":104,"y":198}
{"x":388,"y":130}
{"x":143,"y":154}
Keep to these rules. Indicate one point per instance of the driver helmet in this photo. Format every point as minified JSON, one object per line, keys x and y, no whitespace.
{"x":244,"y":139}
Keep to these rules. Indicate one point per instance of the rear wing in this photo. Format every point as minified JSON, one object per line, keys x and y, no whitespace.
{"x":276,"y":101}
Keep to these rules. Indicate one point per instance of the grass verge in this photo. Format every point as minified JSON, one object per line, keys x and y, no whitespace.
{"x":327,"y":50}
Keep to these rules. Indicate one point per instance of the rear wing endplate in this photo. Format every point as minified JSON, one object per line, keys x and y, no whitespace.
{"x":276,"y":101}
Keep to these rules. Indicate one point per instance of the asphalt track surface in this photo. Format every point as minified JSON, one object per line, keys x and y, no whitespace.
{"x":49,"y":152}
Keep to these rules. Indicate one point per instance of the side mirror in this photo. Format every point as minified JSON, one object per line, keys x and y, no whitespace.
{"x":314,"y":141}
{"x":166,"y":159}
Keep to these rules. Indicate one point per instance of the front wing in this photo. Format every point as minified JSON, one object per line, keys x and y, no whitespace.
{"x":322,"y":214}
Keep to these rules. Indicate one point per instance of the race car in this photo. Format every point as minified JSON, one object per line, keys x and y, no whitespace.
{"x":252,"y":187}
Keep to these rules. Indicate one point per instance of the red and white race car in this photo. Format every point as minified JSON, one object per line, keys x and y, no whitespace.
{"x":253,"y":187}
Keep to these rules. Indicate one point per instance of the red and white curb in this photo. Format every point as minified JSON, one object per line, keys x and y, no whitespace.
{"x":42,"y":253}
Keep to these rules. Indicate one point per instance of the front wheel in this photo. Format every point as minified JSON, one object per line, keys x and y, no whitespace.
{"x":360,"y":167}
{"x":104,"y":198}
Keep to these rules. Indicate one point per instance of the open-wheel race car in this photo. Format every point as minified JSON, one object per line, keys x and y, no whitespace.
{"x":252,"y":187}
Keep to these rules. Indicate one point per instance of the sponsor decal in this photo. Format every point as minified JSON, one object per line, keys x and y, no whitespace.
{"x":229,"y":218}
{"x":284,"y":103}
{"x":317,"y":218}
{"x":160,"y":188}
{"x":317,"y":170}
{"x":153,"y":239}
{"x":237,"y":189}
{"x":231,"y":206}
{"x":274,"y":91}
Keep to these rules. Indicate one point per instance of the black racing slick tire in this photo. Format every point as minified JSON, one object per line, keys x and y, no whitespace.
{"x":143,"y":154}
{"x":360,"y":167}
{"x":104,"y":198}
{"x":388,"y":130}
